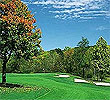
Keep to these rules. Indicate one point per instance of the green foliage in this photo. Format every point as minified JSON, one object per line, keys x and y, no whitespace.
{"x":88,"y":65}
{"x":49,"y":61}
{"x":101,"y":58}
{"x":84,"y":43}
{"x":0,"y":65}
{"x":80,"y":56}
{"x":18,"y":35}
{"x":92,"y":62}
{"x":68,"y":61}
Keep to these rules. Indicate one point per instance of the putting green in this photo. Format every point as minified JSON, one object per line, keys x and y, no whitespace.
{"x":48,"y":87}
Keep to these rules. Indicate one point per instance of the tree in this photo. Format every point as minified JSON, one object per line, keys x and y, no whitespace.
{"x":60,"y":59}
{"x":47,"y":62}
{"x":101,"y":58}
{"x":69,"y":59}
{"x":18,"y":35}
{"x":87,"y":62}
{"x":83,"y":46}
{"x":84,"y":43}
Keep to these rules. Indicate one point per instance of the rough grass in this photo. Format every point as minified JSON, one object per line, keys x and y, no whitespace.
{"x":44,"y":86}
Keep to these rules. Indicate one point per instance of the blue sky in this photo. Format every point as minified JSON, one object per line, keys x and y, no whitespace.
{"x":65,"y":22}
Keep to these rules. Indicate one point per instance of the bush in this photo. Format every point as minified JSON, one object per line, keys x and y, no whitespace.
{"x":0,"y":66}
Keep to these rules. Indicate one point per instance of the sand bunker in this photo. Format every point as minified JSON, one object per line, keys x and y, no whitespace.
{"x":101,"y":84}
{"x":63,"y":76}
{"x":96,"y":83}
{"x":80,"y":81}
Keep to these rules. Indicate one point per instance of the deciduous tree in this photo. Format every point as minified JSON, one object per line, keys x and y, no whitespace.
{"x":18,"y":35}
{"x":83,"y":46}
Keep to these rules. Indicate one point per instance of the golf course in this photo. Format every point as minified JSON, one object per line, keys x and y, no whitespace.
{"x":45,"y":86}
{"x":54,"y":49}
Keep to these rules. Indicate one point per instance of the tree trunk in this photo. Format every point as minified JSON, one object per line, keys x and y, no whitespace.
{"x":83,"y":73}
{"x":101,"y":79}
{"x":94,"y":74}
{"x":4,"y":72}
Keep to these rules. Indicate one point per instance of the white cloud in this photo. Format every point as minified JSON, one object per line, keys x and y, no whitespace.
{"x":67,"y":10}
{"x":86,"y":18}
{"x":63,"y":16}
{"x":55,"y":12}
{"x":61,"y":6}
{"x":93,"y":13}
{"x":57,"y":16}
{"x":56,"y":2}
{"x":83,"y":9}
{"x":101,"y":28}
{"x":94,"y":7}
{"x":44,"y":2}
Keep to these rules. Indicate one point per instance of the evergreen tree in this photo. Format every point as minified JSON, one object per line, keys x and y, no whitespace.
{"x":101,"y":58}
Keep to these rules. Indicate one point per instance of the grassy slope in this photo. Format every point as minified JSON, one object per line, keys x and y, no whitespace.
{"x":59,"y":88}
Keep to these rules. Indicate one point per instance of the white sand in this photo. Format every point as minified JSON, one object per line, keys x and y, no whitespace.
{"x":96,"y":83}
{"x":63,"y":76}
{"x":101,"y":83}
{"x":80,"y":81}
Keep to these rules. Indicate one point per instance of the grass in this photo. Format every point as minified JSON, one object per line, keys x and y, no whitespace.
{"x":44,"y":86}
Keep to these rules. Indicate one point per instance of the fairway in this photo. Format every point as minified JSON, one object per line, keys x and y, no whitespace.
{"x":47,"y":87}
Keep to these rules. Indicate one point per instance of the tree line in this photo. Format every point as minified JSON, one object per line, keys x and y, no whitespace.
{"x":89,"y":62}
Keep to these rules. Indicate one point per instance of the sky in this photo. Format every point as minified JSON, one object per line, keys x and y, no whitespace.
{"x":65,"y":22}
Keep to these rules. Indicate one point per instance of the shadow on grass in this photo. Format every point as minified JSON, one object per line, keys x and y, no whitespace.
{"x":10,"y":85}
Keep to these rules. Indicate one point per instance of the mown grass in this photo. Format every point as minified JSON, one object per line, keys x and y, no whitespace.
{"x":44,"y":86}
